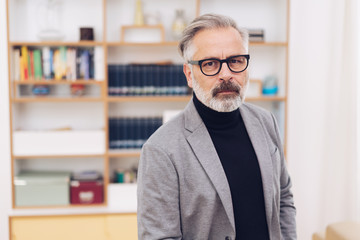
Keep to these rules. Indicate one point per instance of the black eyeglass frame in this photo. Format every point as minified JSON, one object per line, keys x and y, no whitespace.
{"x":247,"y":56}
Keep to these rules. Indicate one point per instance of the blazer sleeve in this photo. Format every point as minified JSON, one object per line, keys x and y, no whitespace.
{"x":158,"y":196}
{"x":287,"y":207}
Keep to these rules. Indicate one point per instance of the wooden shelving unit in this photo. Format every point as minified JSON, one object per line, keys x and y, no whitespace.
{"x":110,"y":45}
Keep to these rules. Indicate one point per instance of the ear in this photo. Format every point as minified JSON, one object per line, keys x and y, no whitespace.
{"x":187,"y":72}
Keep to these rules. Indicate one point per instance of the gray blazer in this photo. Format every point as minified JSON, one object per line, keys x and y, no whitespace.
{"x":183,"y":191}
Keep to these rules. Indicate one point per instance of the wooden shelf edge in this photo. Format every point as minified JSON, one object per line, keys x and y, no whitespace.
{"x":266,"y":99}
{"x":47,"y":99}
{"x":182,"y":98}
{"x":60,"y":206}
{"x":22,"y":157}
{"x":270,"y":44}
{"x":137,"y":44}
{"x":122,"y":43}
{"x":149,"y":98}
{"x":56,"y":43}
{"x":58,"y":82}
{"x":124,"y":153}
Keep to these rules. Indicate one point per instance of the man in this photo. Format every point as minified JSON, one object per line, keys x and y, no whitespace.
{"x":217,"y":170}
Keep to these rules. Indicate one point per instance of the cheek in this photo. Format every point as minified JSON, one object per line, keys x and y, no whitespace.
{"x":243,"y":79}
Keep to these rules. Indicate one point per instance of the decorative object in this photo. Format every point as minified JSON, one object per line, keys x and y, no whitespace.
{"x":49,"y":20}
{"x":77,"y":89}
{"x":139,"y":16}
{"x":256,"y":35}
{"x":179,"y":24}
{"x":86,"y":34}
{"x":41,"y":90}
{"x":270,"y":86}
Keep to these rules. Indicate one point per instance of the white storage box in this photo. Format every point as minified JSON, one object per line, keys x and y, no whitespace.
{"x":80,"y":142}
{"x":122,"y":197}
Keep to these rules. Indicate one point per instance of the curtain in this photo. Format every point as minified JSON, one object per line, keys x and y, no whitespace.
{"x":323,"y":109}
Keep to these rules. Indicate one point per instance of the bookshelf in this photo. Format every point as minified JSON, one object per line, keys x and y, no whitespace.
{"x":93,"y":110}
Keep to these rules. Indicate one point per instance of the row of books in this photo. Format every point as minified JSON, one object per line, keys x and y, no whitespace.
{"x":131,"y":132}
{"x":146,"y":79}
{"x":59,"y":63}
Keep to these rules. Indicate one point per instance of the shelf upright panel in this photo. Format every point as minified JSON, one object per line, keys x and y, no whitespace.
{"x":19,"y":35}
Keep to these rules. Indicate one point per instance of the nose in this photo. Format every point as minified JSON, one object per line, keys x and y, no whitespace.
{"x":225,"y":74}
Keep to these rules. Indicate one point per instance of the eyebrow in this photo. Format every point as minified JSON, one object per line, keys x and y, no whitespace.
{"x":223,"y":58}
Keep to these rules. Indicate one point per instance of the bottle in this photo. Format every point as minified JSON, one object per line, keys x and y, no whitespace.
{"x":179,"y":24}
{"x":139,"y":16}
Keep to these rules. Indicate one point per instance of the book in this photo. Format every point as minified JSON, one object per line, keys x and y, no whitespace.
{"x":71,"y":64}
{"x":84,"y":65}
{"x":17,"y":67}
{"x":63,"y":62}
{"x":46,"y":59}
{"x":37,"y":65}
{"x":31,"y":65}
{"x":99,"y":74}
{"x":24,"y":63}
{"x":57,"y":65}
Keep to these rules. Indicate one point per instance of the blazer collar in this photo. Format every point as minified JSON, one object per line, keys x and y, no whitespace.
{"x":257,"y":137}
{"x":202,"y":145}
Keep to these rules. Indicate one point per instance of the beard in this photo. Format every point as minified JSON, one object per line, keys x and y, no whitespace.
{"x":218,"y":102}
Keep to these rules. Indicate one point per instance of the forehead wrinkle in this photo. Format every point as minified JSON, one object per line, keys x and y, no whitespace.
{"x":215,"y":48}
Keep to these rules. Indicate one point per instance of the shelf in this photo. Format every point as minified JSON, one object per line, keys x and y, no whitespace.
{"x":149,"y":98}
{"x":57,"y":44}
{"x":153,"y":44}
{"x":58,"y":82}
{"x":265,"y":99}
{"x":174,"y":43}
{"x":268,"y":44}
{"x":56,"y":99}
{"x":124,"y":153}
{"x":25,"y":157}
{"x":182,"y":98}
{"x":63,"y":206}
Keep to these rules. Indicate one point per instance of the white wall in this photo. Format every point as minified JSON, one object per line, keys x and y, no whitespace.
{"x":5,"y":176}
{"x":322,"y":114}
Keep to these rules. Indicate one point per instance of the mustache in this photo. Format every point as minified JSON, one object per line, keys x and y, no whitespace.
{"x":226,"y":86}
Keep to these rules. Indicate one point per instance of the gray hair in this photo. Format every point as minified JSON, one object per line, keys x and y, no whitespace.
{"x":207,"y":21}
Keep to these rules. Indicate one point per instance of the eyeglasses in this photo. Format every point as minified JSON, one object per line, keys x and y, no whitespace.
{"x":212,"y":66}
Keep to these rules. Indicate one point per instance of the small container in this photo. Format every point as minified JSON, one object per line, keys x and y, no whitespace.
{"x":40,"y":188}
{"x":86,"y":192}
{"x":86,"y":34}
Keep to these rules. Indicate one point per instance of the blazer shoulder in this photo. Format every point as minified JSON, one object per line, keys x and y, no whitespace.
{"x":258,"y":112}
{"x":168,"y":132}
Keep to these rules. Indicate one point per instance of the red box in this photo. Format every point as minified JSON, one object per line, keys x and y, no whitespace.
{"x":86,"y":192}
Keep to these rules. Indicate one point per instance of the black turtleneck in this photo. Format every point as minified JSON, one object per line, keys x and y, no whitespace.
{"x":237,"y":155}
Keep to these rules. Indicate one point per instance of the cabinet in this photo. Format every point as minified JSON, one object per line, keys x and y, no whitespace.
{"x":99,"y":226}
{"x":62,"y":131}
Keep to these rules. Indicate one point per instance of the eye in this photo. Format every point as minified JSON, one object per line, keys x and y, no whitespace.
{"x":237,"y":60}
{"x":209,"y":63}
{"x":240,"y":60}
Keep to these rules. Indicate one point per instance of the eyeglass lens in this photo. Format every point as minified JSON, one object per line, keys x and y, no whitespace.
{"x":212,"y":66}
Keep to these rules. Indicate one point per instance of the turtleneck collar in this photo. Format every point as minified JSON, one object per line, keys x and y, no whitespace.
{"x":214,"y":119}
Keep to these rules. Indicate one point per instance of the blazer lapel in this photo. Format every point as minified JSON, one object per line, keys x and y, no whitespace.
{"x":258,"y":140}
{"x":200,"y":141}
